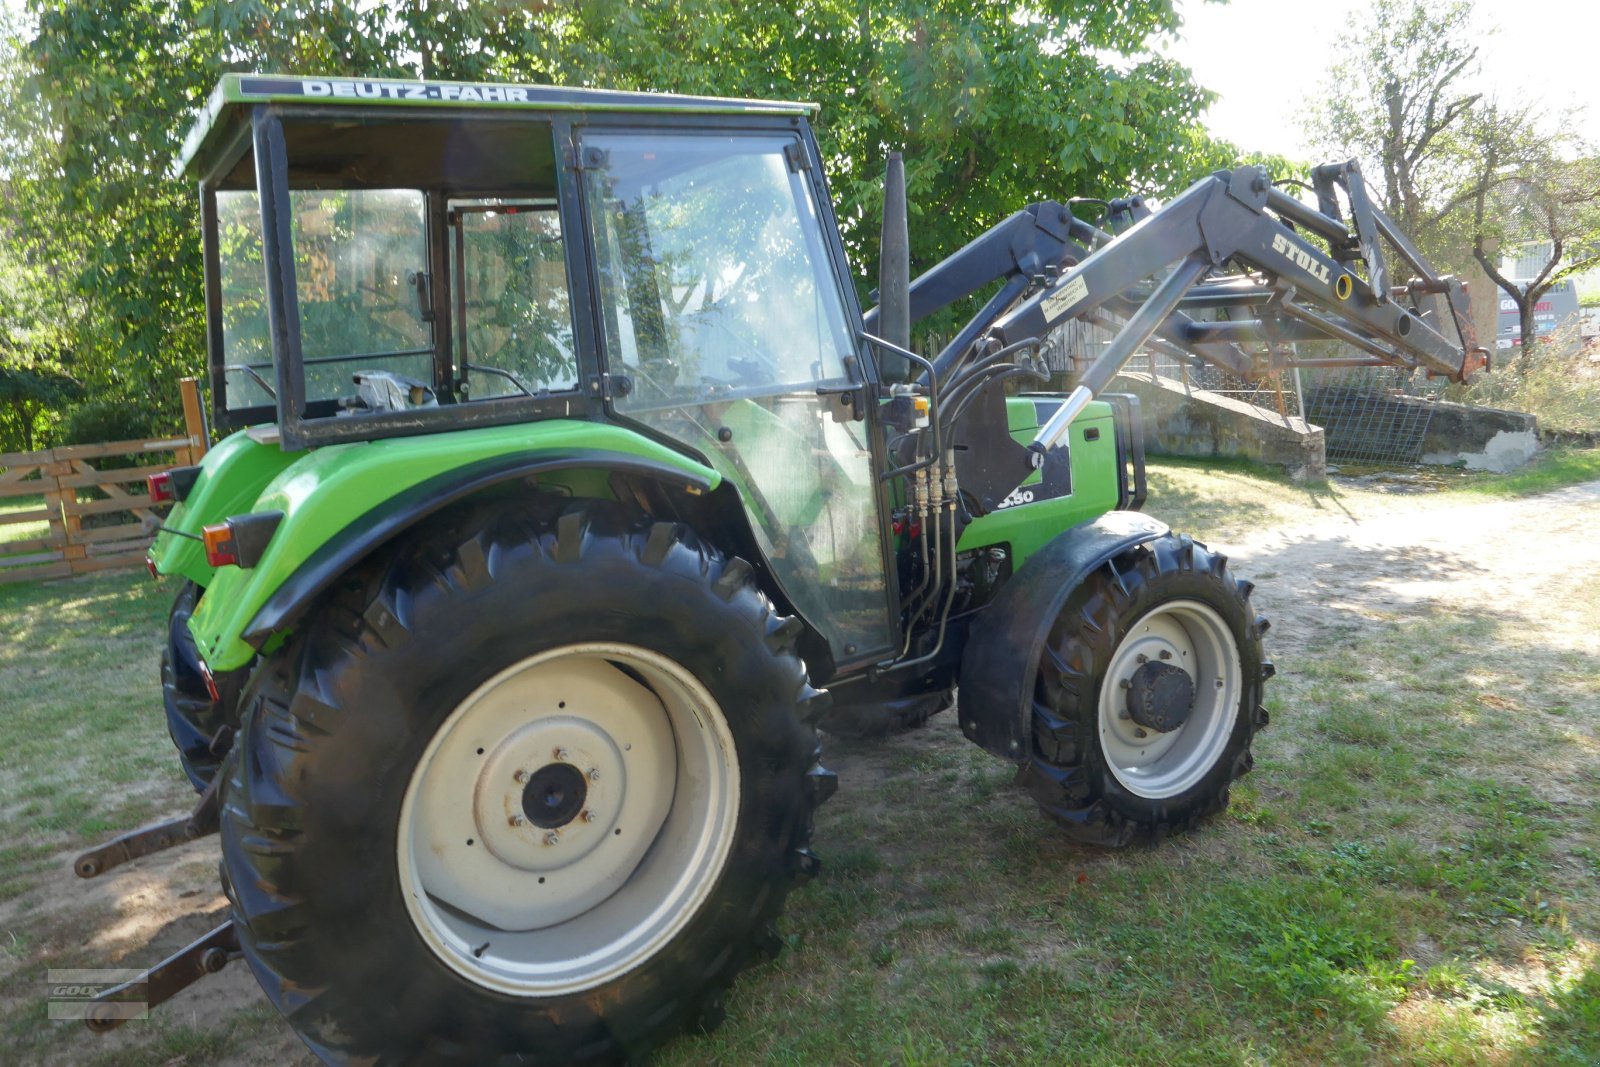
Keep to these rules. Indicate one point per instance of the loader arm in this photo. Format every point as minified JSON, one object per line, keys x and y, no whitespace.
{"x":1233,"y":272}
{"x":1232,"y":246}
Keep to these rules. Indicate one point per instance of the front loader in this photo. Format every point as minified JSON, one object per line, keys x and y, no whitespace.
{"x":569,"y":492}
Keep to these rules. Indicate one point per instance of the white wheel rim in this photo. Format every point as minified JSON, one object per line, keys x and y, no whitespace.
{"x":633,"y":753}
{"x":1192,"y":636}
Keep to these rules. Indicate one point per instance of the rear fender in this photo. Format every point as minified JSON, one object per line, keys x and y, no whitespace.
{"x":1001,"y":659}
{"x":343,"y":502}
{"x":232,"y":475}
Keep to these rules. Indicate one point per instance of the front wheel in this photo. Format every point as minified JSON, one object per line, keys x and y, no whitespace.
{"x":1148,"y":695}
{"x":535,"y":797}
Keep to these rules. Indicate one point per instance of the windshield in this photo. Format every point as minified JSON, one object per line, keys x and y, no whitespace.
{"x":714,"y":278}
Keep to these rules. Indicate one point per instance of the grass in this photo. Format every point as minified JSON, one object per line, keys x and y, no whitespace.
{"x":1408,"y":877}
{"x":22,"y":531}
{"x":1554,"y":468}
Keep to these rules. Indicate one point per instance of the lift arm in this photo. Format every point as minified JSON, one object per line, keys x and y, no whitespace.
{"x":1232,"y":246}
{"x":1232,"y":272}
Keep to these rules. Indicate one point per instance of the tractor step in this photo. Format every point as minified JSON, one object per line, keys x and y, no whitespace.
{"x":166,"y":979}
{"x":153,"y":838}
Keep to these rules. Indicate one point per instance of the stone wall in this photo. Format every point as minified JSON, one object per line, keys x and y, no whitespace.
{"x":1182,"y":421}
{"x":1482,"y":438}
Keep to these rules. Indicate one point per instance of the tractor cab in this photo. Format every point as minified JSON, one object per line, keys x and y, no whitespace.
{"x":392,"y":259}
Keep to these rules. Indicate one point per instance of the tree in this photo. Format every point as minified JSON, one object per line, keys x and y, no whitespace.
{"x":1398,"y":103}
{"x":29,"y":388}
{"x":995,"y":104}
{"x":1524,"y":193}
{"x":1463,"y":175}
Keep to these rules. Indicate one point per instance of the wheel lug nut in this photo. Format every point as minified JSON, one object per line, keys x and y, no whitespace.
{"x":594,"y":774}
{"x":1123,"y":715}
{"x":1125,"y":684}
{"x":1143,"y":658}
{"x":1165,"y":654}
{"x":588,"y":816}
{"x":560,"y":754}
{"x":518,"y":820}
{"x":551,"y":838}
{"x":1141,"y":732}
{"x":519,"y":775}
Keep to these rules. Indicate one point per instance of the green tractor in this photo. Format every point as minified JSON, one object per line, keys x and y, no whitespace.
{"x":570,"y":492}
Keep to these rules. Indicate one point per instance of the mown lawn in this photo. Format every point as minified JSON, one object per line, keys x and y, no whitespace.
{"x":1409,"y":875}
{"x":22,"y":531}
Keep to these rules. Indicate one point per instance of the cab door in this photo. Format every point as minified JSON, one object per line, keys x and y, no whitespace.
{"x":720,"y":307}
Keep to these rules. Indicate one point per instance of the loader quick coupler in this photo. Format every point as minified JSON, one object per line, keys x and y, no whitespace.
{"x":165,"y":980}
{"x":156,"y":837}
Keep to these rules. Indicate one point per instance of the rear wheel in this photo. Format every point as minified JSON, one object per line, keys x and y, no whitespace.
{"x":538,"y":796}
{"x":1148,"y":695}
{"x":201,"y":727}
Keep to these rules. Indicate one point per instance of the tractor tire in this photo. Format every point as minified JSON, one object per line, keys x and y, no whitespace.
{"x":531,"y":789}
{"x":201,"y":728}
{"x":1147,"y":696}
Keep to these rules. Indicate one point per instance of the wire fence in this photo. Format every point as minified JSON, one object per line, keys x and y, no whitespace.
{"x":1372,"y":416}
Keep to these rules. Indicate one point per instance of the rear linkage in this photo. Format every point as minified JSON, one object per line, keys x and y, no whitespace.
{"x":177,"y":972}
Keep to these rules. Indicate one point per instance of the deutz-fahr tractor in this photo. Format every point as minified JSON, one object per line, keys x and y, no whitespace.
{"x":569,"y":493}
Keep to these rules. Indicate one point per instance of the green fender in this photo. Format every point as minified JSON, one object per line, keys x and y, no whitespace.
{"x":231,"y":476}
{"x":341,"y":502}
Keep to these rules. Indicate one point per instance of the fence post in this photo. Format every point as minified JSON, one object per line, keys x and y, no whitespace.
{"x":194,"y":420}
{"x":67,"y":526}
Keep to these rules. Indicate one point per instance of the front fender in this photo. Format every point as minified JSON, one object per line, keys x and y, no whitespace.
{"x":342,"y":502}
{"x":1001,"y":659}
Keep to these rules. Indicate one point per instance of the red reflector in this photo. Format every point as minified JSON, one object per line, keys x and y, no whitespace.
{"x":150,"y":565}
{"x":162,"y":490}
{"x":211,"y":683}
{"x":220,"y":547}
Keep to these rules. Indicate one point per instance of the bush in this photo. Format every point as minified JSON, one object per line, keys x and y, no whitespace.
{"x":1558,"y":381}
{"x":108,"y":420}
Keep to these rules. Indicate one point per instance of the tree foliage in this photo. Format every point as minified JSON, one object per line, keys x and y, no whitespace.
{"x":1398,"y":100}
{"x":1523,"y":192}
{"x":994,"y":104}
{"x":1465,"y":175}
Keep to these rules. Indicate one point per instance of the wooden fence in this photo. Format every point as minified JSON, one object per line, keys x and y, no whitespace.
{"x":63,"y":511}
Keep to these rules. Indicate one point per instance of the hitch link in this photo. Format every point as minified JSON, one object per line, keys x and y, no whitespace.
{"x":155,"y":837}
{"x":166,"y":979}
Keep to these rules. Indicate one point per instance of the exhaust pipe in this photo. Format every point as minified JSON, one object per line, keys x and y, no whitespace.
{"x":894,"y":274}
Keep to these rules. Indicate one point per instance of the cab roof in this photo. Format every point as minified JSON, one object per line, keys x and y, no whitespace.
{"x":236,"y":94}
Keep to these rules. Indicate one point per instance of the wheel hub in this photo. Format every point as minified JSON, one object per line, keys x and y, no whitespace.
{"x":1169,"y":699}
{"x":1160,"y":696}
{"x":554,"y":795}
{"x":544,"y":799}
{"x":543,"y":818}
{"x":567,"y":818}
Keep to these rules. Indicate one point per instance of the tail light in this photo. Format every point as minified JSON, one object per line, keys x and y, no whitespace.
{"x":242,"y":540}
{"x":172,"y":486}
